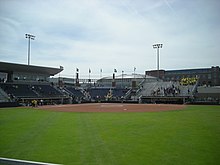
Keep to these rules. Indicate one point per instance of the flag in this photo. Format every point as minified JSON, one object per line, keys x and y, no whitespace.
{"x":89,"y":70}
{"x":101,"y":70}
{"x":77,"y":69}
{"x":134,"y":68}
{"x":115,"y":70}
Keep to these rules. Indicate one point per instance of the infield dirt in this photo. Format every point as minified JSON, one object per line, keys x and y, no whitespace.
{"x":112,"y":107}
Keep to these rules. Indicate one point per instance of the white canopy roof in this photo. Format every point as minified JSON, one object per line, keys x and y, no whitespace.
{"x":129,"y":76}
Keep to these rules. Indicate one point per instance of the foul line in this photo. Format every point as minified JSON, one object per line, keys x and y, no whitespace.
{"x":24,"y":162}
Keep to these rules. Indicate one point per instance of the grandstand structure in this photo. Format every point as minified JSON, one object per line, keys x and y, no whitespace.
{"x":125,"y":80}
{"x":22,"y":84}
{"x":166,"y":92}
{"x":25,"y":83}
{"x":206,"y":76}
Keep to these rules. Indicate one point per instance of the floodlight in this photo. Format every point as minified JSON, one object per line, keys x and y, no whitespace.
{"x":157,"y":46}
{"x":30,"y":37}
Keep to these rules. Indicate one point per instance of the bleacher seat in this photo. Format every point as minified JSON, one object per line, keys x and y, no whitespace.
{"x":18,"y":90}
{"x":119,"y":92}
{"x":47,"y":91}
{"x":30,"y":91}
{"x":100,"y":93}
{"x":74,"y":92}
{"x":169,"y":89}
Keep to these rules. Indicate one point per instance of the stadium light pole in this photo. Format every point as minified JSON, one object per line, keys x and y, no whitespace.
{"x":122,"y":78}
{"x":157,"y":46}
{"x":29,"y":37}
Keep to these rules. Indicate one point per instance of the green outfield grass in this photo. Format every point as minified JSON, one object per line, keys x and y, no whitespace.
{"x":185,"y":137}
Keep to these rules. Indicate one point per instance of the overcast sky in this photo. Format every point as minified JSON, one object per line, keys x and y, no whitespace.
{"x":108,"y":34}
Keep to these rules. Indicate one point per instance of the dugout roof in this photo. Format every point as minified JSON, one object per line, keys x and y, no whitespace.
{"x":12,"y":67}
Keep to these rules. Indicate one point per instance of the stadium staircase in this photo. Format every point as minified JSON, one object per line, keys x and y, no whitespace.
{"x":3,"y":96}
{"x":134,"y":91}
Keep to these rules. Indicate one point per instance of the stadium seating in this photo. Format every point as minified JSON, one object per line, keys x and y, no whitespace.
{"x":106,"y":93}
{"x":46,"y":91}
{"x":18,"y":90}
{"x":168,"y":89}
{"x":119,"y":92}
{"x":74,"y":92}
{"x":30,"y":91}
{"x":98,"y":93}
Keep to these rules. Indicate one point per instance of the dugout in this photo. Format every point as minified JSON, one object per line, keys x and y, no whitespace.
{"x":165,"y":100}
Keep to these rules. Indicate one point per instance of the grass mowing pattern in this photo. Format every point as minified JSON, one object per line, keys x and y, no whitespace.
{"x":189,"y":136}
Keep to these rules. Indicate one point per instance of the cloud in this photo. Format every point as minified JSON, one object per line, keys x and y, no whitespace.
{"x":110,"y":34}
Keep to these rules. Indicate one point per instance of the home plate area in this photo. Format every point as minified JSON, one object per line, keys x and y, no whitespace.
{"x":112,"y":107}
